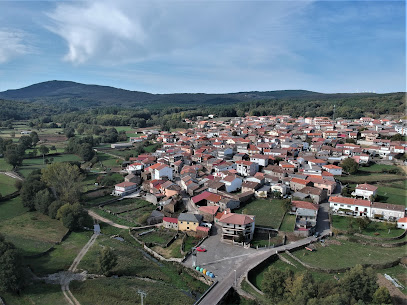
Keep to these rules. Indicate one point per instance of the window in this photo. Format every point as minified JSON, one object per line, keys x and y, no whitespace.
{"x":335,"y":204}
{"x":187,"y":222}
{"x":187,"y":228}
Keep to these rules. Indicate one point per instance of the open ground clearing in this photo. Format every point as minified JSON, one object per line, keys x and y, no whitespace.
{"x":374,"y":228}
{"x":269,"y":213}
{"x":30,"y":232}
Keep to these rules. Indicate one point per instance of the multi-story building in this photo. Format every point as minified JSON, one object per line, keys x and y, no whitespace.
{"x":246,"y":168}
{"x":237,"y":227}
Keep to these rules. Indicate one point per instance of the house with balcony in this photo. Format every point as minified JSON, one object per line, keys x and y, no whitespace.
{"x":237,"y":227}
{"x":387,"y":211}
{"x":367,"y":191}
{"x":350,"y":206}
{"x":246,"y":168}
{"x":124,"y":188}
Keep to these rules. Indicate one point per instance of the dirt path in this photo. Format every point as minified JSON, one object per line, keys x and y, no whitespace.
{"x":13,"y":175}
{"x":68,"y":276}
{"x":397,"y":296}
{"x":108,"y":221}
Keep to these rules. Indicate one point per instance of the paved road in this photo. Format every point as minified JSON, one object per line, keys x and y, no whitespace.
{"x":217,"y":293}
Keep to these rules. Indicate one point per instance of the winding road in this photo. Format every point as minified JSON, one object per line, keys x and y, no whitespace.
{"x":218,"y":292}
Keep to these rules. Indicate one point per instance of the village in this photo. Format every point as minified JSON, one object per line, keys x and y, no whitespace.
{"x":223,"y":177}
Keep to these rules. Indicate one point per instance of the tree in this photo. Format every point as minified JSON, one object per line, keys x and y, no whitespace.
{"x":65,"y":179}
{"x":53,"y":208}
{"x":26,"y":141}
{"x":29,"y":190}
{"x":107,"y":260}
{"x":11,"y":270}
{"x":362,"y":222}
{"x":350,"y":166}
{"x":287,"y":205}
{"x":14,"y":155}
{"x":42,"y":200}
{"x":301,"y":289}
{"x":53,"y":148}
{"x":274,"y":283}
{"x":234,"y":133}
{"x":359,"y":283}
{"x":43,"y":150}
{"x":69,"y":132}
{"x":73,"y":216}
{"x":34,"y":138}
{"x":382,"y":296}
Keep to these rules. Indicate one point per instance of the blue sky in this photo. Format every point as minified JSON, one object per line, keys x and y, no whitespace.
{"x":206,"y":46}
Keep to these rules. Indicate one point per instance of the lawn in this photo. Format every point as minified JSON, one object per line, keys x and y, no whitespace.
{"x":31,"y":232}
{"x":4,"y":166}
{"x":288,"y":223}
{"x":365,"y":177}
{"x":393,"y":195}
{"x":7,"y":185}
{"x":11,"y":208}
{"x":37,"y":163}
{"x":152,"y":147}
{"x":374,"y":227}
{"x":98,"y":200}
{"x":37,"y":294}
{"x":107,"y":161}
{"x":62,"y":256}
{"x":379,"y":168}
{"x":269,"y":213}
{"x":139,"y":216}
{"x":124,"y":291}
{"x":347,"y":254}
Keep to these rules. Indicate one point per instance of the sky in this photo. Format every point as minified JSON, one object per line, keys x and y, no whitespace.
{"x":206,"y":46}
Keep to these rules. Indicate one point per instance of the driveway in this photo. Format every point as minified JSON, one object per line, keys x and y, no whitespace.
{"x":220,"y":258}
{"x":323,"y":225}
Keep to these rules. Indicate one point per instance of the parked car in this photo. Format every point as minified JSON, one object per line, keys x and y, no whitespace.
{"x":200,"y":249}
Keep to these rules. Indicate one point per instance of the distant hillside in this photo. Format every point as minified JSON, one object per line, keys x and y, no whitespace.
{"x":81,"y":95}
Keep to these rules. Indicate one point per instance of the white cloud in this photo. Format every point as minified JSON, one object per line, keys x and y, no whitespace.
{"x":12,"y":44}
{"x":123,"y":31}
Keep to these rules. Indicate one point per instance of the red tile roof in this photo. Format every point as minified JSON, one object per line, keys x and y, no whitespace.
{"x":237,"y":219}
{"x":209,"y":209}
{"x":305,"y":205}
{"x":170,"y":219}
{"x":350,"y":201}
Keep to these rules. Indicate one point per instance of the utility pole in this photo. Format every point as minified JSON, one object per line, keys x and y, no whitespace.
{"x":269,"y":239}
{"x":235,"y":278}
{"x":142,"y":295}
{"x":333,"y":115}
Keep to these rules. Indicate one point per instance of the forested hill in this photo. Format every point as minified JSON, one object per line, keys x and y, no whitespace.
{"x":81,"y":95}
{"x":113,"y":106}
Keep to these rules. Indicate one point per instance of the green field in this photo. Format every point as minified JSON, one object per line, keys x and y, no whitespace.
{"x":106,"y":161}
{"x":127,"y":204}
{"x":37,"y":294}
{"x":7,"y":185}
{"x":392,"y":195}
{"x":37,"y":163}
{"x":288,"y":223}
{"x":398,"y":272}
{"x":11,"y":208}
{"x":62,"y":256}
{"x":269,"y":213}
{"x":30,"y":232}
{"x":374,"y":228}
{"x":379,"y":168}
{"x":365,"y":177}
{"x":123,"y":291}
{"x":348,"y":254}
{"x":4,"y":166}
